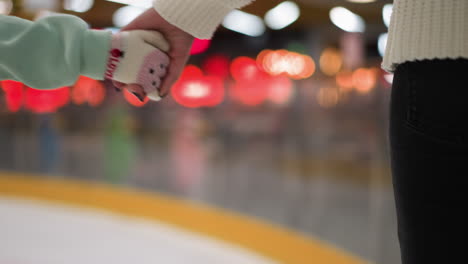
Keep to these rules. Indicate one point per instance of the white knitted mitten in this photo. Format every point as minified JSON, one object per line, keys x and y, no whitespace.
{"x":138,"y":57}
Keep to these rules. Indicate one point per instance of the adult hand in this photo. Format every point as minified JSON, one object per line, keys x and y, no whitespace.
{"x":180,"y":45}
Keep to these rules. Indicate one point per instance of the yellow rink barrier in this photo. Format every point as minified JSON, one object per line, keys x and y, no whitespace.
{"x":274,"y":242}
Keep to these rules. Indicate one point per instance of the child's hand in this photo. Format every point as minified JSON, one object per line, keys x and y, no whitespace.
{"x":137,"y":62}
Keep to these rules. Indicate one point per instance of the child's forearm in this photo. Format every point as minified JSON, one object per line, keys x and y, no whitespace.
{"x":51,"y":52}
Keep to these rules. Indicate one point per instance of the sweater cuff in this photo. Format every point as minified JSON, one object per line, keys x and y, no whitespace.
{"x":96,"y":46}
{"x":200,"y":18}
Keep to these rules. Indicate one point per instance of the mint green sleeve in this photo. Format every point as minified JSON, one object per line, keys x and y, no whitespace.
{"x":51,"y":52}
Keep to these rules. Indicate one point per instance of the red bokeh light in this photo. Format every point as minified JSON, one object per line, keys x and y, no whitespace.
{"x":196,"y":90}
{"x":245,"y":69}
{"x":217,"y":65}
{"x":280,"y":90}
{"x":249,"y":93}
{"x":253,"y":85}
{"x":46,"y":101}
{"x":9,"y":85}
{"x":191,"y":72}
{"x":200,"y":46}
{"x":14,"y":95}
{"x":14,"y":100}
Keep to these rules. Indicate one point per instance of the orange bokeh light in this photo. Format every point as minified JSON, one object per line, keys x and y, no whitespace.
{"x":283,"y":62}
{"x":308,"y":70}
{"x":277,"y":62}
{"x":88,"y":90}
{"x":261,"y":58}
{"x":344,"y":80}
{"x":331,"y":61}
{"x":364,"y":80}
{"x":133,"y":100}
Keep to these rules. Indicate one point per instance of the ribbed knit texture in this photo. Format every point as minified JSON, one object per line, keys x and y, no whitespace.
{"x":427,"y":29}
{"x":200,"y":18}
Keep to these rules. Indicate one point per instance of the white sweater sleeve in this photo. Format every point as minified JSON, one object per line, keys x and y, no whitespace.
{"x":200,"y":18}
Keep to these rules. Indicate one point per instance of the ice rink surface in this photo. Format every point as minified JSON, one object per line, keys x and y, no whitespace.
{"x":35,"y":232}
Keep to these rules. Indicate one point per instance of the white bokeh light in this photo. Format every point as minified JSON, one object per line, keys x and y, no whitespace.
{"x":80,"y":6}
{"x":347,"y":20}
{"x":389,"y":78}
{"x":244,"y":23}
{"x":382,"y":43}
{"x":387,"y":14}
{"x":196,"y":90}
{"x":282,"y":15}
{"x":126,"y":14}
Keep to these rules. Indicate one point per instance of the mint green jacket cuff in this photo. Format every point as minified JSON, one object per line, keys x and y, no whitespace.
{"x":95,"y":53}
{"x":51,"y":52}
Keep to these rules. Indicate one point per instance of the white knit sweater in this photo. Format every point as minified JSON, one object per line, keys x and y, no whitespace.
{"x":200,"y":18}
{"x":427,"y":29}
{"x":420,"y":29}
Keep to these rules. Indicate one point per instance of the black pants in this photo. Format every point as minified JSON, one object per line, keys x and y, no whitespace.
{"x":429,"y":151}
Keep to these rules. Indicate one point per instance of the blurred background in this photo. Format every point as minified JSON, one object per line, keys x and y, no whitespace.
{"x":282,"y":116}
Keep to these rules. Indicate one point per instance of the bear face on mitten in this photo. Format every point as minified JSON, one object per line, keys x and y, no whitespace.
{"x":138,"y":58}
{"x":152,"y":72}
